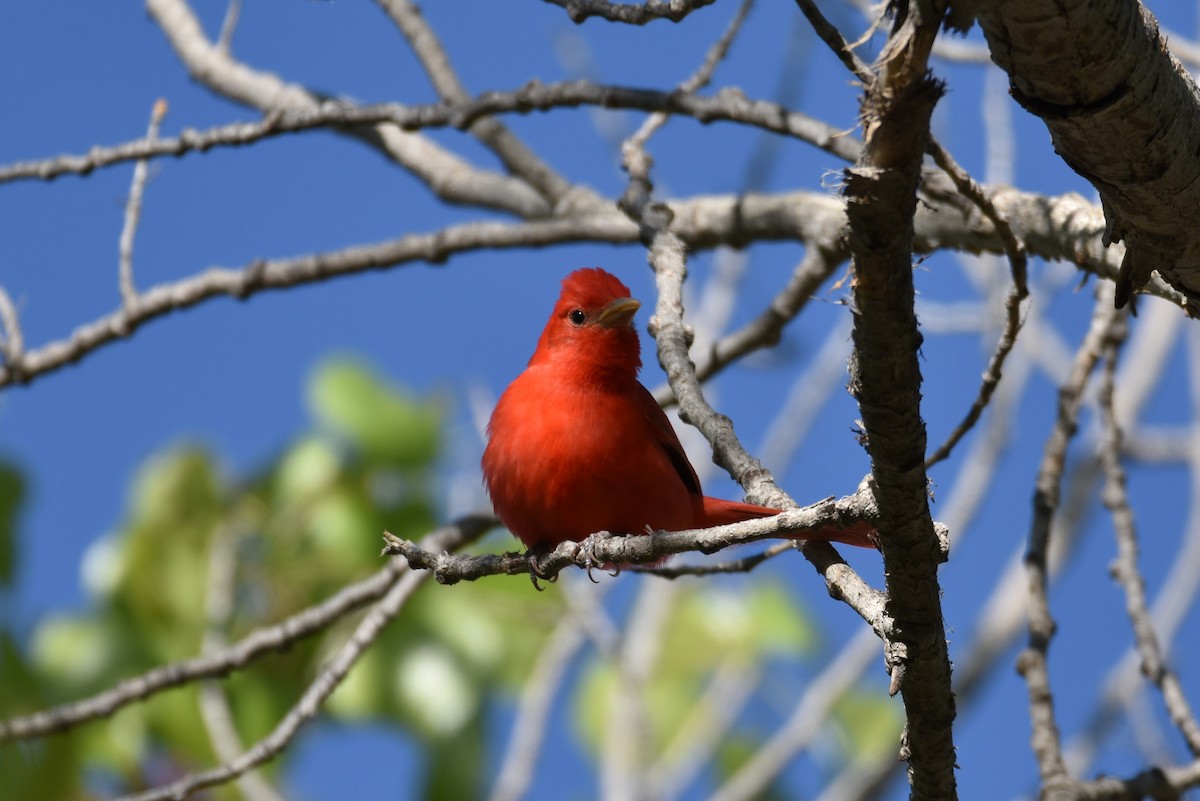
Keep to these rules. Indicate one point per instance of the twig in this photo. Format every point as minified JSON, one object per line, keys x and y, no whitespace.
{"x":229,"y":25}
{"x":449,"y":177}
{"x":666,"y":255}
{"x":1019,"y":267}
{"x":705,"y":729}
{"x":810,"y":390}
{"x":805,"y":724}
{"x":969,"y":189}
{"x":991,"y":376}
{"x":12,"y":342}
{"x":698,"y":79}
{"x":625,"y":750}
{"x":278,"y":637}
{"x":1032,"y":664}
{"x":834,"y":40}
{"x":516,"y":156}
{"x":743,"y":565}
{"x":966,"y":186}
{"x":306,"y":708}
{"x":1165,"y":784}
{"x":629,"y":13}
{"x":214,"y":703}
{"x":1125,"y":569}
{"x":1175,"y":599}
{"x":766,"y":329}
{"x":533,"y":710}
{"x":133,"y":212}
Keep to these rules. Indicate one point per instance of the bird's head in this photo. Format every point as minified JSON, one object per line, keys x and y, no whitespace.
{"x":592,"y":325}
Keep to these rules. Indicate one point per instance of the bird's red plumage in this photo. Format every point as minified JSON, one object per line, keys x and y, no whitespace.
{"x":576,"y":445}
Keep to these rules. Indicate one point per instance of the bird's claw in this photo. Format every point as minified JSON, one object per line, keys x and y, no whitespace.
{"x":590,"y":561}
{"x":534,"y":556}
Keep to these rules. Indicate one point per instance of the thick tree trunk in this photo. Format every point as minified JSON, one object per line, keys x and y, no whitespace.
{"x":1122,"y":113}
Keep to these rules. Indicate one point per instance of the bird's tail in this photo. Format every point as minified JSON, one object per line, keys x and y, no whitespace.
{"x":718,"y":512}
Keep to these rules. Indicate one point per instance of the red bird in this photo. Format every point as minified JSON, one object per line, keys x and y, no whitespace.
{"x":576,"y":445}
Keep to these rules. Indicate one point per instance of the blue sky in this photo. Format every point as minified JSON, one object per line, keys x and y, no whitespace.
{"x":230,"y":374}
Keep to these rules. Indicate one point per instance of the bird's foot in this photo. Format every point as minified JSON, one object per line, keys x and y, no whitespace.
{"x":536,"y":555}
{"x":587,"y":547}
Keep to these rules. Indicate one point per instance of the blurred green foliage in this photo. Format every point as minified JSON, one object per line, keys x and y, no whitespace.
{"x":307,"y":525}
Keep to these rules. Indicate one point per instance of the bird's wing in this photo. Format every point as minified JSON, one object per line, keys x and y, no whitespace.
{"x":668,"y":440}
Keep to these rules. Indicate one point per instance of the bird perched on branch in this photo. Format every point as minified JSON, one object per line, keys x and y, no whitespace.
{"x":577,"y":445}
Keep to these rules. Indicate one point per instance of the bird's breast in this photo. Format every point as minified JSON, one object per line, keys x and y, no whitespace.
{"x":566,"y":459}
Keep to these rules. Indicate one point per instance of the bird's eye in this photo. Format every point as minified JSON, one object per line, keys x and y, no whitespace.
{"x":577,"y":316}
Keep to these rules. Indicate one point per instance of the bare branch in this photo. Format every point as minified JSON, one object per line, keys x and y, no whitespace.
{"x":630,"y":13}
{"x":699,"y":79}
{"x":727,"y":105}
{"x":805,"y":724}
{"x":306,"y":708}
{"x":533,"y":710}
{"x":451,"y":178}
{"x":1165,"y":784}
{"x":885,"y":378}
{"x":991,"y":376}
{"x":1001,"y":620}
{"x":278,"y":637}
{"x":516,"y":156}
{"x":12,"y":341}
{"x":1046,"y":741}
{"x":766,"y":330}
{"x":705,"y":728}
{"x":639,"y":549}
{"x":834,"y":40}
{"x":215,"y":709}
{"x":1054,"y":228}
{"x":133,"y":211}
{"x":743,"y":565}
{"x":229,"y":25}
{"x":276,"y":274}
{"x":1125,"y":569}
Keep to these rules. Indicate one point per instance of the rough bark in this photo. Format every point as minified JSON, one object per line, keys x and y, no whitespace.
{"x":1122,"y":112}
{"x":881,"y":198}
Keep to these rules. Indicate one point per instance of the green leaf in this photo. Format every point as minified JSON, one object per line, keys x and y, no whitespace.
{"x":74,"y":651}
{"x":435,"y":691}
{"x":309,"y":467}
{"x":376,"y":418}
{"x":12,"y":493}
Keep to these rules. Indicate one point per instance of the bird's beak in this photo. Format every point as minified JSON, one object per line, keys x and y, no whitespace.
{"x":619,"y":313}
